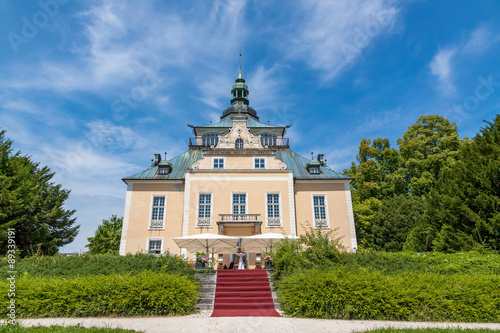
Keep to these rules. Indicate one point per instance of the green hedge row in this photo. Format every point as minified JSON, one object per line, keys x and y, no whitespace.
{"x":361,"y":293}
{"x":103,"y":264}
{"x":432,"y":262}
{"x":142,"y":294}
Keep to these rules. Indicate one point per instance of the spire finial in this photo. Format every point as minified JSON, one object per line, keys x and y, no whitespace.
{"x":240,"y":65}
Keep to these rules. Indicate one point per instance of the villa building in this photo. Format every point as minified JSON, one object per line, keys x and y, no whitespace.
{"x":237,"y":178}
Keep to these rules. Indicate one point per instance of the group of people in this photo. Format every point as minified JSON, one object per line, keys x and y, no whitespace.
{"x":241,"y":264}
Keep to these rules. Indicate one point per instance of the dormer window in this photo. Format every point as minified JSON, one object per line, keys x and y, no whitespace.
{"x":163,"y":171}
{"x":238,"y":144}
{"x":313,"y":167}
{"x":314,"y":170}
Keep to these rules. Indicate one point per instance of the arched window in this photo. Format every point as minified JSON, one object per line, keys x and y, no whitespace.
{"x":268,"y":139}
{"x":210,"y":139}
{"x":238,"y":144}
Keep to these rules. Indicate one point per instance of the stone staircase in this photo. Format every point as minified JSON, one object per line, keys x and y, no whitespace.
{"x":207,"y":291}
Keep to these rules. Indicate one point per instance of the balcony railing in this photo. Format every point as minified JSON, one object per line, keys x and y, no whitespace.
{"x":266,"y":143}
{"x":239,"y":220}
{"x":204,"y":222}
{"x":239,"y":217}
{"x":321,"y":223}
{"x":274,"y":221}
{"x":156,"y":224}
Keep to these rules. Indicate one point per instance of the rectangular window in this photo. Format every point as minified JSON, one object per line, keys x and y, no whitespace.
{"x":259,"y":163}
{"x":239,"y":203}
{"x":154,"y":246}
{"x":204,"y":209}
{"x":157,"y":212}
{"x":319,"y":205}
{"x":273,"y":210}
{"x":218,"y":163}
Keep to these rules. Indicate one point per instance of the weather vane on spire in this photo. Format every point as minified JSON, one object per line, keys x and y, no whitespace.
{"x":240,"y":62}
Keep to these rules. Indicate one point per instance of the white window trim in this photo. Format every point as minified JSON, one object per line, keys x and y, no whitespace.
{"x":151,"y":211}
{"x":280,"y":209}
{"x":155,"y":239}
{"x":211,"y":210}
{"x":260,"y":158}
{"x":327,"y":214}
{"x":246,"y":201}
{"x":218,"y":158}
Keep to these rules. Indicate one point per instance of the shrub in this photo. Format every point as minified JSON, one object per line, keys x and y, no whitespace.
{"x":433,"y":262}
{"x":345,"y":293}
{"x":100,"y":264}
{"x":145,"y":293}
{"x":314,"y":248}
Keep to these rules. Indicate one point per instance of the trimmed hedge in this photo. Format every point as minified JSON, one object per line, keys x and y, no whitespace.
{"x":432,"y":262}
{"x":361,"y":293}
{"x":142,"y":294}
{"x":101,"y":264}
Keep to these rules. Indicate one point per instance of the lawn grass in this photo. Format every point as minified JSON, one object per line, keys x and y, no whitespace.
{"x":431,"y":330}
{"x":60,"y":329}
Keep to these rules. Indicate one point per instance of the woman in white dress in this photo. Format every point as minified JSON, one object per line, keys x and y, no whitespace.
{"x":241,"y":264}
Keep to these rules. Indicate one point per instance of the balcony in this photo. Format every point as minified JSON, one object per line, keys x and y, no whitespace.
{"x":239,"y":221}
{"x":266,"y":143}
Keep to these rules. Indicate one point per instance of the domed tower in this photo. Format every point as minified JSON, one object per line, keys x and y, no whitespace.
{"x":239,"y":98}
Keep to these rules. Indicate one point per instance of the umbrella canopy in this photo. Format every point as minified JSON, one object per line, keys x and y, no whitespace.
{"x":262,"y":242}
{"x":205,"y":242}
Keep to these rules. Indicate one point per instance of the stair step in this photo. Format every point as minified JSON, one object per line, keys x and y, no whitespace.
{"x":268,"y":305}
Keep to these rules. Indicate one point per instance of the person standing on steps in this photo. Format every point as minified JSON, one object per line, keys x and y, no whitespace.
{"x":241,"y":264}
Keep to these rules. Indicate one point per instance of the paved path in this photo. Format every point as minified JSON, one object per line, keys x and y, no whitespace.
{"x":202,"y":322}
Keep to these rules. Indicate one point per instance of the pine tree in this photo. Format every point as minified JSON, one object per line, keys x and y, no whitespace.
{"x":32,"y":204}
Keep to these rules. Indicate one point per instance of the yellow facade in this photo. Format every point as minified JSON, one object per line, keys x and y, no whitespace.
{"x":238,"y":178}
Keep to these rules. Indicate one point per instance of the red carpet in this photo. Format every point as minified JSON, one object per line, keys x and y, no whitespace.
{"x":243,"y":293}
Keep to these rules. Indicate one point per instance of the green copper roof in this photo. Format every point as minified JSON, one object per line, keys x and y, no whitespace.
{"x":179,"y":165}
{"x":298,"y":164}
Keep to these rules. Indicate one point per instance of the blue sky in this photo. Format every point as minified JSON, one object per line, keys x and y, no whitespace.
{"x":93,"y":89}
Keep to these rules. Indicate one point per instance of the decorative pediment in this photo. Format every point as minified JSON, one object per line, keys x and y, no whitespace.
{"x":239,"y":137}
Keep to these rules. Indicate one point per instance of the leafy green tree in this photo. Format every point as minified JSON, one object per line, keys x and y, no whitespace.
{"x":107,"y":236}
{"x":32,"y":204}
{"x":396,"y":218}
{"x":426,"y":147}
{"x":467,"y":202}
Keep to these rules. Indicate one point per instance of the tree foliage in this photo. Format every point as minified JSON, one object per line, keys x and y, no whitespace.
{"x":32,"y":204}
{"x":436,"y":192}
{"x":107,"y":236}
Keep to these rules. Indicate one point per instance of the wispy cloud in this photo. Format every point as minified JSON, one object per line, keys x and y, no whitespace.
{"x":331,"y":35}
{"x":441,"y":67}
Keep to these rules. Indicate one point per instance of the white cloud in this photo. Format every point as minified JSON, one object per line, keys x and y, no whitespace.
{"x":376,"y":121}
{"x":107,"y":135}
{"x":441,"y":67}
{"x":331,"y":35}
{"x":480,"y":40}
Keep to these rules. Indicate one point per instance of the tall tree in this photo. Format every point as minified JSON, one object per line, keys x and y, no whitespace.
{"x":32,"y":204}
{"x":467,"y":201}
{"x":107,"y":236}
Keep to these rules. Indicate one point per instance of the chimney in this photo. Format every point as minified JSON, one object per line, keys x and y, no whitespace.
{"x":157,"y":159}
{"x":321,"y":159}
